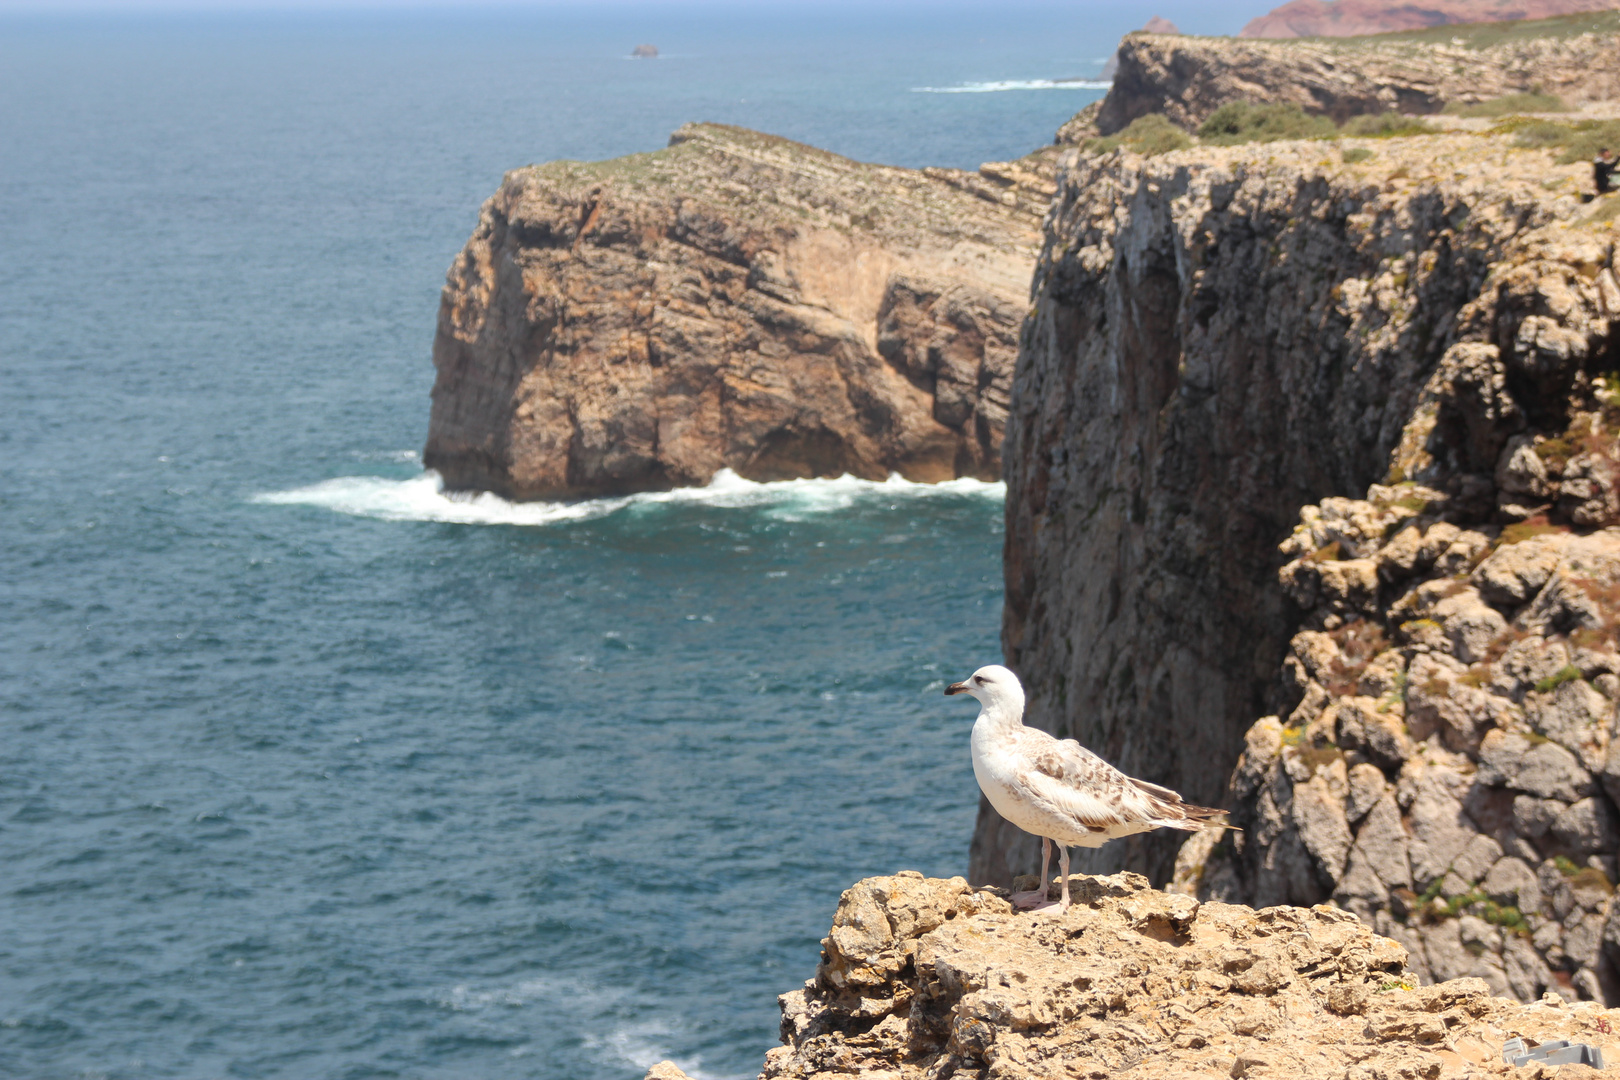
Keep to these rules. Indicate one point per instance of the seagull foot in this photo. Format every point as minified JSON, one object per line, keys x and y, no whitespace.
{"x":1034,"y":900}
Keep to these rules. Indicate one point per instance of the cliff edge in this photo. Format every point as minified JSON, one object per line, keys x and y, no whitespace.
{"x":734,"y":301}
{"x":928,"y":979}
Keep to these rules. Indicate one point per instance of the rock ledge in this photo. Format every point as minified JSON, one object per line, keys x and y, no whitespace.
{"x":930,"y":978}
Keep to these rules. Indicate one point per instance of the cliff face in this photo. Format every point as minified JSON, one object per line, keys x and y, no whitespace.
{"x":924,"y":978}
{"x":1343,"y":18}
{"x":1220,"y":337}
{"x":1444,"y":764}
{"x":735,"y":301}
{"x":1188,"y":78}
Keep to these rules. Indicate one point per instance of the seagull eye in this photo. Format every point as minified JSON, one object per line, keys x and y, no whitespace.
{"x":979,"y":679}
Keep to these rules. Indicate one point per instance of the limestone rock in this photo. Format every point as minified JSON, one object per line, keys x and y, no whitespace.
{"x":1135,"y":983}
{"x":734,"y":301}
{"x":1545,"y":769}
{"x":1516,"y":572}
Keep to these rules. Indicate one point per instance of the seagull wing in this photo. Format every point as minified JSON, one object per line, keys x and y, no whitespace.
{"x":1084,"y":786}
{"x":1095,"y":794}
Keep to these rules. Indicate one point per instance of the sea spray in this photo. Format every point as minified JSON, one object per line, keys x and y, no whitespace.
{"x":423,"y":498}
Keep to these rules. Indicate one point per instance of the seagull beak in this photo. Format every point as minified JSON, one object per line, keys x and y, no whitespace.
{"x":956,"y":688}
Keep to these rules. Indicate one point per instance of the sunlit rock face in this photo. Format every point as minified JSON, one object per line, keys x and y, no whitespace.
{"x":734,"y":301}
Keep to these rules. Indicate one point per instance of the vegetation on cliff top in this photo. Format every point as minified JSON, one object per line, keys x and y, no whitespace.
{"x":1239,"y":122}
{"x":1508,"y":105}
{"x":1484,"y":35}
{"x":1576,"y":141}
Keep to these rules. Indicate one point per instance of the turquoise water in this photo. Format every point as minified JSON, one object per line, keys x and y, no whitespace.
{"x":307,"y":771}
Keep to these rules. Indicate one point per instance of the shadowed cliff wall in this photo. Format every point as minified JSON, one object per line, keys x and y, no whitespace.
{"x":1218,"y":338}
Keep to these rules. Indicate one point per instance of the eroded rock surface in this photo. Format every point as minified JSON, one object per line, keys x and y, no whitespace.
{"x":734,"y":301}
{"x":1446,"y":772}
{"x":1439,"y":759}
{"x":928,"y":978}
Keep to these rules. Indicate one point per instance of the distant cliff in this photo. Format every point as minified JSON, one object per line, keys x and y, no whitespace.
{"x":734,"y":301}
{"x":1188,"y":78}
{"x":1344,"y":18}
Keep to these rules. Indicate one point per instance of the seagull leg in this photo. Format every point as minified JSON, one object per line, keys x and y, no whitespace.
{"x":1063,"y":864}
{"x":1036,"y":898}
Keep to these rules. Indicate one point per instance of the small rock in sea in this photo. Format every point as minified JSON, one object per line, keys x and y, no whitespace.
{"x":645,"y":52}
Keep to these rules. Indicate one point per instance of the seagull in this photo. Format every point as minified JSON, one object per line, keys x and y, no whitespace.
{"x":1056,"y":788}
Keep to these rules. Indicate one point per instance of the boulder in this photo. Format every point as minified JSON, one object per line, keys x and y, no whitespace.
{"x":1543,"y":769}
{"x":1516,"y":572}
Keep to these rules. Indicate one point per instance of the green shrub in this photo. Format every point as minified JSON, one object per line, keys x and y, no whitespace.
{"x":1244,"y":122}
{"x":1386,"y":126}
{"x":1508,"y":104}
{"x":1567,"y":673}
{"x":1146,"y":135}
{"x":1354,"y":154}
{"x":1579,"y":141}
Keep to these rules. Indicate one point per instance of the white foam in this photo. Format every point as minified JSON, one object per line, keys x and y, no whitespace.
{"x":643,"y":1045}
{"x":423,"y":498}
{"x":1015,"y":84}
{"x":638,"y":1044}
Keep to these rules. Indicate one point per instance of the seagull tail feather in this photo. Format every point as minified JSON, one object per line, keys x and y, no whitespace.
{"x":1175,"y":814}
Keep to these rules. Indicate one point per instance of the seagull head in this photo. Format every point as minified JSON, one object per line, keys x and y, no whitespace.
{"x":997,"y":689}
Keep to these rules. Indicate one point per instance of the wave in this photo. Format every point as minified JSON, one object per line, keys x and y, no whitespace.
{"x":1015,"y":84}
{"x":639,"y":1045}
{"x":423,"y":498}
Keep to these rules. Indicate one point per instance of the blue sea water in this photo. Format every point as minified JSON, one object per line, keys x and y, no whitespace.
{"x":309,"y":771}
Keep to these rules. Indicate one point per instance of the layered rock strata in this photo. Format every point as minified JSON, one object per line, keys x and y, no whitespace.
{"x":734,"y":301}
{"x":928,"y":979}
{"x":1221,"y":337}
{"x":1188,"y":78}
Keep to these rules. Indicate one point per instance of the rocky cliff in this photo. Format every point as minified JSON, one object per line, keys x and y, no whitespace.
{"x":1188,"y":78}
{"x":1343,"y":18}
{"x":1224,"y":336}
{"x":927,"y":978}
{"x":1444,"y":764}
{"x":734,"y":301}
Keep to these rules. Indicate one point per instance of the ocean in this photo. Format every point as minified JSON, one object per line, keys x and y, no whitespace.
{"x":310,"y":771}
